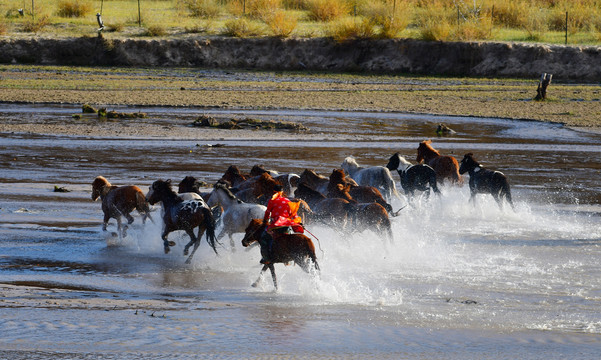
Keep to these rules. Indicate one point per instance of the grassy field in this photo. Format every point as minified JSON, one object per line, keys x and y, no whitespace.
{"x":570,"y":104}
{"x":517,"y":20}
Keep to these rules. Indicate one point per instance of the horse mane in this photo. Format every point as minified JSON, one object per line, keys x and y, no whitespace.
{"x":426,"y":146}
{"x":341,"y":191}
{"x":257,"y":170}
{"x":100,"y":181}
{"x":228,"y":192}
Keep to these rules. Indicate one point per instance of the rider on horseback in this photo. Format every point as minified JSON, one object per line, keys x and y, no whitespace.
{"x":280,"y":216}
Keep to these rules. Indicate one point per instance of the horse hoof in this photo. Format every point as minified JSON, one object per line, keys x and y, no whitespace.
{"x":171,"y":243}
{"x":166,"y":250}
{"x":254,"y":284}
{"x":185,"y":252}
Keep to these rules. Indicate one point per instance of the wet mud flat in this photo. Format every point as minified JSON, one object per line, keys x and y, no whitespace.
{"x":461,"y":281}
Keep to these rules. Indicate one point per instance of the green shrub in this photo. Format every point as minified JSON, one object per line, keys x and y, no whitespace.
{"x":241,"y":27}
{"x":35,"y":25}
{"x":281,"y":23}
{"x":537,"y":25}
{"x":155,"y":30}
{"x":327,"y":10}
{"x":350,"y":28}
{"x":203,"y":8}
{"x":74,"y":8}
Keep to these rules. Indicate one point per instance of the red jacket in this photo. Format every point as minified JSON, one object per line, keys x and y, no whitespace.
{"x":281,"y":212}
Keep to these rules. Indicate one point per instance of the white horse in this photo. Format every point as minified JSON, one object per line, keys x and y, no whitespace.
{"x":236,"y":214}
{"x":376,"y":176}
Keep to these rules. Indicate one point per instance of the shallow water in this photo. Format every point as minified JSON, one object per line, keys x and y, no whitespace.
{"x":459,"y":282}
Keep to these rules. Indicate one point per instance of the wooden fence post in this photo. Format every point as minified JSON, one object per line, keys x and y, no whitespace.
{"x":541,"y":91}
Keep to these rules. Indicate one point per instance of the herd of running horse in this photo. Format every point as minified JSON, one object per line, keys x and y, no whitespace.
{"x":352,"y":198}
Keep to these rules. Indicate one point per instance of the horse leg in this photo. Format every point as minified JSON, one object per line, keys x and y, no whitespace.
{"x":273,"y":277}
{"x":166,"y":243}
{"x":105,"y":223}
{"x":256,"y":283}
{"x":232,"y":243}
{"x":201,"y":231}
{"x":193,"y":240}
{"x":130,"y":219}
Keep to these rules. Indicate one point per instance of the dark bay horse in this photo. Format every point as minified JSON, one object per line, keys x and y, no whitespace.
{"x":446,"y":166}
{"x":184,"y":215}
{"x":486,"y":181}
{"x":371,"y":216}
{"x":319,"y":182}
{"x":119,"y":201}
{"x":419,"y":177}
{"x":192,"y":184}
{"x":286,"y":248}
{"x":362,"y":194}
{"x":233,"y":176}
{"x":334,"y":211}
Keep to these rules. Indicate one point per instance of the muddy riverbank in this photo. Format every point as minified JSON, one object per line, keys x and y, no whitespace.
{"x":575,"y":105}
{"x":523,"y":60}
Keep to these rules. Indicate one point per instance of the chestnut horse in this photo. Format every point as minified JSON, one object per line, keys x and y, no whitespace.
{"x":119,"y":201}
{"x":371,"y":216}
{"x":485,"y":181}
{"x":362,"y":194}
{"x":286,"y":247}
{"x":184,"y":215}
{"x":445,"y":166}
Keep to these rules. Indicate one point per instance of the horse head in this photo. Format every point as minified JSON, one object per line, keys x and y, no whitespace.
{"x":310,"y":177}
{"x":468,"y":163}
{"x":189,"y":184}
{"x":100,"y":187}
{"x":265,"y":185}
{"x":342,"y":191}
{"x":253,"y":232}
{"x":159,"y":191}
{"x":233,"y":175}
{"x":398,"y":162}
{"x":426,"y":151}
{"x":257,"y":170}
{"x":349,"y":165}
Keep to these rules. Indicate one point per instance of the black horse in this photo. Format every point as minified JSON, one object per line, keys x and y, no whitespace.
{"x":184,"y":215}
{"x":485,"y":181}
{"x":413,"y":177}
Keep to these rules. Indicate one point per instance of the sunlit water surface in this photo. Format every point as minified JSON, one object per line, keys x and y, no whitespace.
{"x":460,"y":281}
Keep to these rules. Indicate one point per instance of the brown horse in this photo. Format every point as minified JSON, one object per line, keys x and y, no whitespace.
{"x":233,"y":176}
{"x":445,"y":166}
{"x":362,"y":194}
{"x":371,"y":216}
{"x":285,"y":248}
{"x":333,"y":211}
{"x":184,"y":215}
{"x":319,"y":182}
{"x":119,"y":201}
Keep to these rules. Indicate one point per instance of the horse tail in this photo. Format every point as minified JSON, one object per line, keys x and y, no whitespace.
{"x":209,"y":222}
{"x":506,"y":192}
{"x":142,"y":206}
{"x":311,"y":254}
{"x":433,"y":182}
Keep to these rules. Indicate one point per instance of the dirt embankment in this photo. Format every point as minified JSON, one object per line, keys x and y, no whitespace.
{"x":568,"y":63}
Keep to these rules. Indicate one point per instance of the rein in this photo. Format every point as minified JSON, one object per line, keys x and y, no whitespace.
{"x":318,"y":242}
